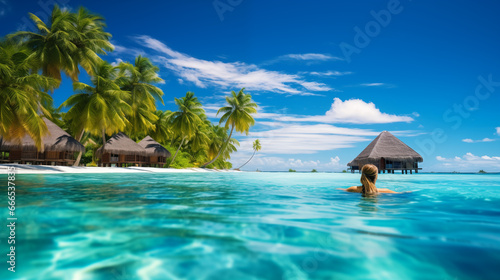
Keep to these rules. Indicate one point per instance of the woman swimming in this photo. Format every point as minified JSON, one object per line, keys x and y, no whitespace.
{"x":369,"y":174}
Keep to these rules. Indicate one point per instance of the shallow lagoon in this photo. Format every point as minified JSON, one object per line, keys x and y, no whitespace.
{"x":255,"y":226}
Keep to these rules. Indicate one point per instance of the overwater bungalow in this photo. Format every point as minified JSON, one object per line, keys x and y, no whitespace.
{"x":156,"y":154}
{"x":121,"y":151}
{"x":388,"y":153}
{"x":59,"y":148}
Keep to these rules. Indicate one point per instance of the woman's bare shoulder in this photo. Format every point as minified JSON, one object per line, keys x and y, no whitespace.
{"x":354,"y":189}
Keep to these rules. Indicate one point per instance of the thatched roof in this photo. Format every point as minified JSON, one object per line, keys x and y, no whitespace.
{"x":121,"y":144}
{"x":55,"y":140}
{"x":153,"y":148}
{"x":386,"y":146}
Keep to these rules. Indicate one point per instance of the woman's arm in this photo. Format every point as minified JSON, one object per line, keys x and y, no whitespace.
{"x":381,"y":190}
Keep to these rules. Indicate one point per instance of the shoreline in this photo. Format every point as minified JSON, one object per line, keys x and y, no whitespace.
{"x":49,"y":169}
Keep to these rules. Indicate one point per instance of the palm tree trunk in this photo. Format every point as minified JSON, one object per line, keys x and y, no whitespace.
{"x":182,"y":142}
{"x":248,"y":160}
{"x":103,"y":144}
{"x":77,"y":162}
{"x":221,"y":149}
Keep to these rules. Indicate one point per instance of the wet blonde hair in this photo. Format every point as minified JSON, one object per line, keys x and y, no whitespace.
{"x":369,"y":174}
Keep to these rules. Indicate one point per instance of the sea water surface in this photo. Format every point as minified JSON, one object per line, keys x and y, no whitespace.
{"x":253,"y":226}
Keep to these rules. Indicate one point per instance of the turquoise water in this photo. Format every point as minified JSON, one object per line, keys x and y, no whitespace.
{"x":254,"y":226}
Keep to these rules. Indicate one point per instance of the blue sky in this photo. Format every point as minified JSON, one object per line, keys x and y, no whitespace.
{"x":328,"y":75}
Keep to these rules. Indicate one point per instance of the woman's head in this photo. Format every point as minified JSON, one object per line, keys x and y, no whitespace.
{"x":369,"y":174}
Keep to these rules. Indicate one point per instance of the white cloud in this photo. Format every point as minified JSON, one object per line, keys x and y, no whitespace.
{"x":351,"y":111}
{"x":335,"y":162}
{"x":311,"y":56}
{"x":468,"y":140}
{"x":116,"y":62}
{"x":204,"y":73}
{"x":470,"y":162}
{"x":330,"y":73}
{"x":373,"y":84}
{"x":498,"y":130}
{"x":120,"y":50}
{"x":440,"y":158}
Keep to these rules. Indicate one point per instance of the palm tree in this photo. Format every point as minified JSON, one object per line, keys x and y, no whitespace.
{"x":237,"y":115}
{"x":138,"y":79}
{"x":161,"y":131}
{"x":66,"y":41}
{"x":90,"y":39}
{"x":185,"y":121}
{"x":99,"y":108}
{"x":218,"y":136}
{"x":256,"y":148}
{"x":22,"y":93}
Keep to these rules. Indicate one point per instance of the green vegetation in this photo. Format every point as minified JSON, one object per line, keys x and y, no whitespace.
{"x":256,"y":147}
{"x":237,"y":115}
{"x":344,"y":171}
{"x":314,"y":171}
{"x":118,"y":98}
{"x":482,"y":171}
{"x":292,"y":170}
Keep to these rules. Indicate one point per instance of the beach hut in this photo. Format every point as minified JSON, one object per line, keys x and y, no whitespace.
{"x":121,"y":151}
{"x":59,"y":148}
{"x":156,"y":154}
{"x":388,"y":153}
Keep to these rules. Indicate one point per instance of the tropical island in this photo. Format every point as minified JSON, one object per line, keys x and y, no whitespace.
{"x":118,"y":108}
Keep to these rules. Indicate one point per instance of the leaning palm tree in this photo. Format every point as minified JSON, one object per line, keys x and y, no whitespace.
{"x":22,"y":93}
{"x":99,"y":108}
{"x":238,"y":115}
{"x":256,"y":148}
{"x":139,"y":79}
{"x":218,"y":136}
{"x":66,"y":41}
{"x":185,"y":121}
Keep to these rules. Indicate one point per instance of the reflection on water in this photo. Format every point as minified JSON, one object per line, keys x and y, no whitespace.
{"x":255,"y":226}
{"x":368,"y":203}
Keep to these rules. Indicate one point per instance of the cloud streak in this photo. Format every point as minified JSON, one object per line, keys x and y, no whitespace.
{"x":310,"y":57}
{"x":204,"y":73}
{"x":330,"y":73}
{"x":373,"y":84}
{"x":468,"y":140}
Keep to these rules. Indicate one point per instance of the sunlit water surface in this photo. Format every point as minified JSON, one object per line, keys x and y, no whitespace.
{"x":254,"y":226}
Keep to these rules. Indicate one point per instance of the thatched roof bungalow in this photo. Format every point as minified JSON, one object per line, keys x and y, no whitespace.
{"x":58,"y":148}
{"x":387,"y":153}
{"x":156,"y":154}
{"x":121,"y":151}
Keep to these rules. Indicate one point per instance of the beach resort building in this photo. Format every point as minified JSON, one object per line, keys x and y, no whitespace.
{"x":388,"y":153}
{"x":156,"y":154}
{"x":59,"y":148}
{"x":121,"y":151}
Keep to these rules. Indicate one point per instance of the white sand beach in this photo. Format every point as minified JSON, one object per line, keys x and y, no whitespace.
{"x":48,"y":169}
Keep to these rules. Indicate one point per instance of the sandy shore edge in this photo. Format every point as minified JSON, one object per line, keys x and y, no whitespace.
{"x":47,"y":169}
